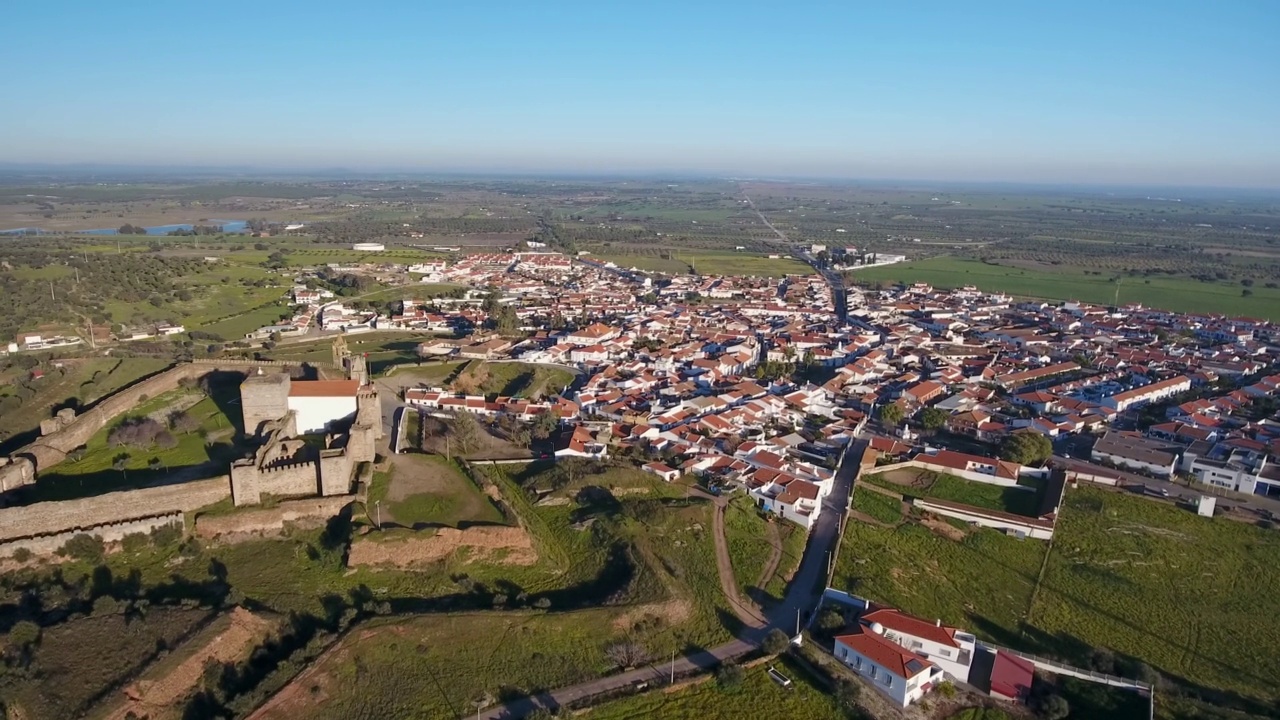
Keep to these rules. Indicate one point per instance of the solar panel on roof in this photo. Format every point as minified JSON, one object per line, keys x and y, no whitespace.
{"x":914,"y":666}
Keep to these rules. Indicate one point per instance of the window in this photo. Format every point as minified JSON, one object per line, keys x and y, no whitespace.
{"x":945,"y":653}
{"x":888,"y":680}
{"x":873,"y":672}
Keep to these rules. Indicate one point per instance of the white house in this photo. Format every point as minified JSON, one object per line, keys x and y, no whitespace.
{"x":1155,"y":392}
{"x":666,"y":473}
{"x":898,"y":673}
{"x":949,"y":648}
{"x":799,"y":501}
{"x":321,"y":403}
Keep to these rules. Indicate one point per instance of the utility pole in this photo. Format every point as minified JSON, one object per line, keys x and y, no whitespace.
{"x":51,"y":296}
{"x":673,"y":667}
{"x":797,"y":621}
{"x":377,"y":509}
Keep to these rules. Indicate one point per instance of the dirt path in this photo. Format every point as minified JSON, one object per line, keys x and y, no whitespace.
{"x":160,"y":697}
{"x":775,"y":556}
{"x":746,"y":610}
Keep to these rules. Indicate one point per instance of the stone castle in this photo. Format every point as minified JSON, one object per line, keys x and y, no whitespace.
{"x":283,"y":463}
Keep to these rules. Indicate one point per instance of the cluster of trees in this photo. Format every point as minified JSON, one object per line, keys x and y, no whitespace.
{"x":141,"y":433}
{"x":1026,"y":447}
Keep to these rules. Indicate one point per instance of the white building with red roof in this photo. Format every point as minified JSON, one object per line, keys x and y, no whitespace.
{"x":901,"y":675}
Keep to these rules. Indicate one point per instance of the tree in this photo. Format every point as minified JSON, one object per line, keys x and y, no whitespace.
{"x":730,"y":675}
{"x":467,"y":431}
{"x":830,"y":621}
{"x":1246,"y":292}
{"x":627,"y":654}
{"x":1054,"y":707}
{"x":775,"y":642}
{"x":88,"y":548}
{"x":544,"y":425}
{"x":890,"y":415}
{"x":933,"y":418}
{"x":1026,"y":447}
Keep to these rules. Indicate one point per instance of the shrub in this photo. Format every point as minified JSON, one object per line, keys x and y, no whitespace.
{"x":22,"y":554}
{"x":166,"y":535}
{"x":88,"y":548}
{"x":847,"y":694}
{"x":775,"y":642}
{"x":134,"y":542}
{"x":730,"y":675}
{"x":947,"y":689}
{"x":105,"y":605}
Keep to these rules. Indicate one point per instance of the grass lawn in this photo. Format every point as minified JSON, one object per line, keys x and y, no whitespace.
{"x":208,"y":447}
{"x":429,"y":490}
{"x":794,"y":539}
{"x":747,"y":535}
{"x":1019,"y":500}
{"x":524,"y":380}
{"x":757,"y":697}
{"x":1068,"y":283}
{"x":78,"y":660}
{"x":1195,"y":598}
{"x":245,"y":322}
{"x":982,"y":582}
{"x":432,"y":373}
{"x":436,"y":666}
{"x":877,"y":505}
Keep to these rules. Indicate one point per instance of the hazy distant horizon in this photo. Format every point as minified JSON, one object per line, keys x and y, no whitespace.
{"x":1090,"y":92}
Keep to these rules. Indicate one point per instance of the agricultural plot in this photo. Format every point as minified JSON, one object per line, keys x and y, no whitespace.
{"x":1193,"y":597}
{"x":747,"y":536}
{"x":757,"y":696}
{"x":1068,"y":283}
{"x":1190,"y":596}
{"x":1020,"y":500}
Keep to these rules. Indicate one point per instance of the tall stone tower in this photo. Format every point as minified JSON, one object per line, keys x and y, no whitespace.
{"x":358,"y":369}
{"x":263,"y":397}
{"x":340,"y":353}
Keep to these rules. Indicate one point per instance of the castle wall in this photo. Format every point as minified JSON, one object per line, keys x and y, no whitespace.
{"x":16,"y":472}
{"x":335,"y":473}
{"x":264,"y":398}
{"x":109,"y":532}
{"x":270,"y":519}
{"x":79,"y":515}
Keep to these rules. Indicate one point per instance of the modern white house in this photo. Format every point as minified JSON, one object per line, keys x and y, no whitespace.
{"x":949,"y":648}
{"x":319,"y":404}
{"x":1134,"y":452}
{"x":1154,"y":392}
{"x":901,"y":675}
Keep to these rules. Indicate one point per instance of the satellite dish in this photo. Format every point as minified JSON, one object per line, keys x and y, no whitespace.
{"x":877,"y":628}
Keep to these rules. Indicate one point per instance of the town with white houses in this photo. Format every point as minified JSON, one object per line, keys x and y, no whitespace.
{"x":772,"y":386}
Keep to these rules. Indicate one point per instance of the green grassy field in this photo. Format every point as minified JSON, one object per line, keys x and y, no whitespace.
{"x":523,"y":380}
{"x":1192,"y":597}
{"x":877,"y":505}
{"x":1067,"y":283}
{"x":949,"y":487}
{"x":95,"y":471}
{"x":757,"y":697}
{"x":983,"y":582}
{"x":429,"y":490}
{"x":746,"y":534}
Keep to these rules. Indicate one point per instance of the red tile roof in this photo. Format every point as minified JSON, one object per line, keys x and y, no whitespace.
{"x":894,"y":619}
{"x":885,"y":653}
{"x":1011,"y":675}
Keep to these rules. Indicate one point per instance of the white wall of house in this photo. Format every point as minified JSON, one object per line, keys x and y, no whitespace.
{"x":899,"y":689}
{"x":1124,"y":462}
{"x":315,"y":413}
{"x":955,"y":662}
{"x":1033,"y":531}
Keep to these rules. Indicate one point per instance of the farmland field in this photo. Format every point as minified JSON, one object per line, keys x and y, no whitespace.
{"x":1192,"y":597}
{"x":757,"y":696}
{"x":1066,"y":283}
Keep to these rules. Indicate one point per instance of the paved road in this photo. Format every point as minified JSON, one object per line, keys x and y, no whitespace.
{"x":1177,"y":491}
{"x":803,"y":595}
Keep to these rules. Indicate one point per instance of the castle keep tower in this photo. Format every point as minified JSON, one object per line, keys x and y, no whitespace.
{"x":263,"y":397}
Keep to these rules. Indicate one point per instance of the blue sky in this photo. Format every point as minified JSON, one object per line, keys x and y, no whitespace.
{"x":1172,"y":92}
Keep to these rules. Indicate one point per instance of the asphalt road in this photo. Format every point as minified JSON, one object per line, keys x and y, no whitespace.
{"x":803,"y":595}
{"x":1176,"y":491}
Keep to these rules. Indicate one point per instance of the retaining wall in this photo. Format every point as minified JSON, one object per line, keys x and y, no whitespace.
{"x":109,"y":532}
{"x":79,"y":515}
{"x":271,"y":519}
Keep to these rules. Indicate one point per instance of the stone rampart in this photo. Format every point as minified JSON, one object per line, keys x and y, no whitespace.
{"x":109,"y":532}
{"x":270,"y":520}
{"x":73,"y":516}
